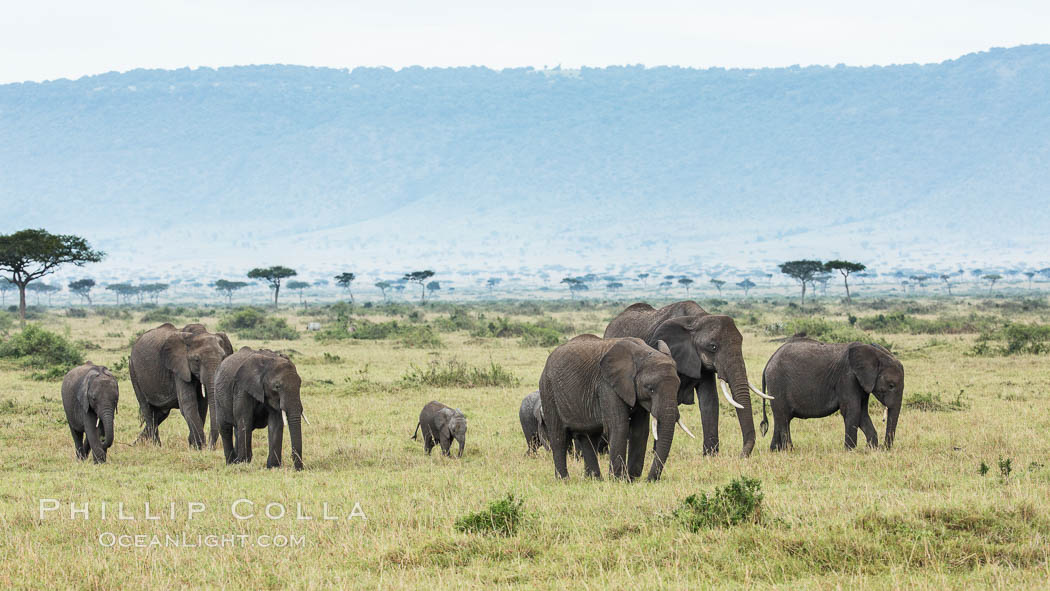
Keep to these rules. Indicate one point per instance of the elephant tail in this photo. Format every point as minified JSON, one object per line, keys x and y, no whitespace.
{"x":418,"y":425}
{"x":764,"y":425}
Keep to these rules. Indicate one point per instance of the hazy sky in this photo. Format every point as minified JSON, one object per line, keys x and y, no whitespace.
{"x":46,"y":39}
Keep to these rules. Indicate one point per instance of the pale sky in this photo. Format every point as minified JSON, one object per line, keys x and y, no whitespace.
{"x":48,"y":39}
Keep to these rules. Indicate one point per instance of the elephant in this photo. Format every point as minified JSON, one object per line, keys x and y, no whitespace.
{"x":89,"y":396}
{"x":531,"y":417}
{"x":702,"y":345}
{"x":442,"y":424}
{"x":812,"y":380}
{"x":592,"y":386}
{"x":175,"y":368}
{"x":256,"y":389}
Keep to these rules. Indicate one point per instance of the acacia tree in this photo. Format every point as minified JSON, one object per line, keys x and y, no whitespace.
{"x":803,"y":271}
{"x":492,"y":283}
{"x":344,"y":280}
{"x":82,"y":287}
{"x":685,"y":282}
{"x":745,"y":285}
{"x":152,"y":290}
{"x":991,"y":278}
{"x":432,"y":287}
{"x":613,"y":285}
{"x":228,"y":287}
{"x":122,"y":290}
{"x":29,"y":255}
{"x":299,"y":286}
{"x":383,"y":286}
{"x":420,"y":277}
{"x":718,"y":283}
{"x":845,"y":268}
{"x":272,"y":275}
{"x":1029,"y":275}
{"x":43,"y":288}
{"x":575,"y":284}
{"x":947,"y":279}
{"x":642,"y":277}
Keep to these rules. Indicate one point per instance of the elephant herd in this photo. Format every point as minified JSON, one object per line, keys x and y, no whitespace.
{"x":195,"y":371}
{"x":595,"y":390}
{"x":596,"y":394}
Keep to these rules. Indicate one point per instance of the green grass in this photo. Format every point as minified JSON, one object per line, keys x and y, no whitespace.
{"x":917,"y":516}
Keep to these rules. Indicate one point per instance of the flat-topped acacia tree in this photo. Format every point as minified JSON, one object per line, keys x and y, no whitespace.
{"x":82,"y":288}
{"x":227,"y":288}
{"x":344,"y":280}
{"x":273,"y":276}
{"x":28,"y":255}
{"x":845,"y":268}
{"x":803,"y":271}
{"x":420,"y":277}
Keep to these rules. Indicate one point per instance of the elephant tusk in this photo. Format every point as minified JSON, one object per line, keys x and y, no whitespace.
{"x":284,"y":416}
{"x":729,"y":397}
{"x":885,"y":414}
{"x":686,"y":429}
{"x":655,"y":436}
{"x":98,"y":422}
{"x":305,"y":418}
{"x":759,"y":392}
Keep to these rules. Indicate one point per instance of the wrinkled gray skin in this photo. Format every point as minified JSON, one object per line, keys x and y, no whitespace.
{"x":252,"y":389}
{"x":89,"y":396}
{"x":441,"y":424}
{"x":175,"y":368}
{"x":531,"y":417}
{"x":592,"y":386}
{"x":810,"y":379}
{"x":702,"y":345}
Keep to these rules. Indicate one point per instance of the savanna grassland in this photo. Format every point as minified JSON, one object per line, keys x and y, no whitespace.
{"x":922,"y":515}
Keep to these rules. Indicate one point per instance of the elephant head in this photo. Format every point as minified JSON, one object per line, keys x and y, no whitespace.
{"x":641,"y":375}
{"x":880,"y":374}
{"x":712,"y":343}
{"x":195,"y":354}
{"x":452,"y":424}
{"x":272,"y":379}
{"x":541,"y":426}
{"x":98,"y":395}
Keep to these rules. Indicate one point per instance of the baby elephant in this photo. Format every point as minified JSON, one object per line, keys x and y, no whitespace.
{"x":810,"y":380}
{"x":442,"y":424}
{"x":531,"y":417}
{"x":256,"y":389}
{"x":89,"y":395}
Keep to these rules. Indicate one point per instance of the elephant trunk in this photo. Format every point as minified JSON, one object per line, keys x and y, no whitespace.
{"x":462,"y":439}
{"x":891,"y":424}
{"x":665,"y":423}
{"x":742,"y":395}
{"x":107,"y":426}
{"x":295,"y":433}
{"x":208,"y":382}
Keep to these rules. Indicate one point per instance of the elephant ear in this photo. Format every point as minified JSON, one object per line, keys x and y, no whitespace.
{"x":618,"y":371}
{"x":250,"y":378}
{"x":537,"y":412}
{"x":442,"y":420}
{"x":227,"y":346}
{"x":663,"y":348}
{"x":864,"y":363}
{"x":677,"y":335}
{"x":84,"y":395}
{"x":176,"y":356}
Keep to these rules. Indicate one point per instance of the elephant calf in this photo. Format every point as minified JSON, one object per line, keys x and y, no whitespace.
{"x":531,"y":417}
{"x":810,"y":380}
{"x":89,"y":395}
{"x":254,"y":388}
{"x":441,"y":424}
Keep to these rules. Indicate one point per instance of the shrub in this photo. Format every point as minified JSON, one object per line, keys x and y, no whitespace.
{"x":458,"y":374}
{"x":76,"y":313}
{"x":546,"y":332}
{"x":502,"y":517}
{"x":164,"y":314}
{"x":42,"y":350}
{"x":739,"y":501}
{"x":6,"y":322}
{"x":1017,"y":338}
{"x":899,"y":322}
{"x":824,"y":330}
{"x":252,"y":323}
{"x":932,"y":402}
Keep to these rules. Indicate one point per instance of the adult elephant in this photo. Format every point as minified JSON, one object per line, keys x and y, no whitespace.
{"x":592,"y":386}
{"x":702,"y":346}
{"x":256,"y":389}
{"x":813,"y":380}
{"x":175,"y":368}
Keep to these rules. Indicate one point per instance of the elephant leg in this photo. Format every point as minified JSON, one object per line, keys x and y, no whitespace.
{"x":243,"y":433}
{"x":188,"y":407}
{"x":446,"y":444}
{"x":276,"y":433}
{"x":149,"y":423}
{"x":637,"y":444}
{"x":588,"y":447}
{"x":226,"y":431}
{"x":78,"y":443}
{"x":868,"y":428}
{"x":248,"y":443}
{"x":559,"y":440}
{"x":618,"y":433}
{"x":707,"y":400}
{"x":428,"y":442}
{"x":202,"y":407}
{"x":851,"y":419}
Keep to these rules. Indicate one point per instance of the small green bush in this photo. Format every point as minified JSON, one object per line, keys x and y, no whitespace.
{"x":164,"y":314}
{"x":253,"y":323}
{"x":76,"y":313}
{"x":1017,"y":339}
{"x":52,"y":354}
{"x":932,"y":402}
{"x":458,"y":374}
{"x":6,"y":322}
{"x":502,"y":517}
{"x":739,"y":501}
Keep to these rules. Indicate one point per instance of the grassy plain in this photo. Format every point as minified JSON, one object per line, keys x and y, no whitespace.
{"x":921,"y":515}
